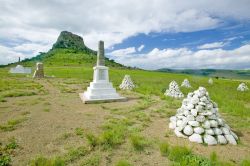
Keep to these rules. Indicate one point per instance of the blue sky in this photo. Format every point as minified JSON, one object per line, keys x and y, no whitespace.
{"x":151,"y":35}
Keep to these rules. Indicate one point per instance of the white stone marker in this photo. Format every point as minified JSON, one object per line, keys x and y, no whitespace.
{"x":186,"y":83}
{"x":174,"y":90}
{"x":19,"y":69}
{"x":210,"y":81}
{"x":206,"y":125}
{"x":127,"y":83}
{"x":100,"y":90}
{"x":242,"y":87}
{"x":39,"y":73}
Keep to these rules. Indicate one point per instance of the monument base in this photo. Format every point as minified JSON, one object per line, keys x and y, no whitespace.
{"x":87,"y":100}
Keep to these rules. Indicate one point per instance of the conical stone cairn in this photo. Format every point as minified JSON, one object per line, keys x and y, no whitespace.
{"x":210,"y":81}
{"x":127,"y":83}
{"x":242,"y":87}
{"x":174,"y":90}
{"x":198,"y":120}
{"x":186,"y":83}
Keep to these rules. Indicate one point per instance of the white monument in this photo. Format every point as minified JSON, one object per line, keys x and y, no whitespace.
{"x":100,"y":90}
{"x":39,"y":73}
{"x":19,"y":69}
{"x":127,"y":83}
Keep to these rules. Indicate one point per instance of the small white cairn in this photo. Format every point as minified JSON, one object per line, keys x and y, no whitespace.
{"x":127,"y":83}
{"x":198,"y":120}
{"x":242,"y":87}
{"x":174,"y":90}
{"x":210,"y":81}
{"x":186,"y":83}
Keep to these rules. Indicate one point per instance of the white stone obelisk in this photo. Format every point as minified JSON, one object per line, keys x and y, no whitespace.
{"x":100,"y":90}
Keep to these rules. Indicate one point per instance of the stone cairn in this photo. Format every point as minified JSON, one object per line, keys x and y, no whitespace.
{"x":210,"y":81}
{"x":174,"y":90}
{"x":198,"y":120}
{"x":39,"y":73}
{"x":127,"y":83}
{"x":186,"y":83}
{"x":242,"y":87}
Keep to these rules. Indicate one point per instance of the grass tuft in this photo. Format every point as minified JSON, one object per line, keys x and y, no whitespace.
{"x":123,"y":163}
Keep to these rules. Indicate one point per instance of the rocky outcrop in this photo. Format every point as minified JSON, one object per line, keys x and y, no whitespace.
{"x":198,"y":120}
{"x":69,"y":40}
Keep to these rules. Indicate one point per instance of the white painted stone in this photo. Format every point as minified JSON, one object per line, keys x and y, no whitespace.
{"x":194,"y":112}
{"x":195,"y":100}
{"x":209,"y":132}
{"x":194,"y":123}
{"x":213,"y":123}
{"x":200,"y":118}
{"x":206,"y":124}
{"x":210,"y":140}
{"x":188,"y":130}
{"x":172,"y":125}
{"x":225,"y":130}
{"x":179,"y":122}
{"x":231,"y":139}
{"x":179,"y":134}
{"x":234,"y":135}
{"x":210,"y":81}
{"x":199,"y":130}
{"x":190,"y":117}
{"x":221,"y":139}
{"x":217,"y":131}
{"x":195,"y":138}
{"x":173,"y":119}
{"x":199,"y":108}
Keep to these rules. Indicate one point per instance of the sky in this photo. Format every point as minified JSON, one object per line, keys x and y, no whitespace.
{"x":150,"y":34}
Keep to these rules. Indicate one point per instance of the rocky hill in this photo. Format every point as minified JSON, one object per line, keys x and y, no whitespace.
{"x":71,"y":41}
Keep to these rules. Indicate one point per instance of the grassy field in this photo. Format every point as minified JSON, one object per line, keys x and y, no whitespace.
{"x":44,"y":122}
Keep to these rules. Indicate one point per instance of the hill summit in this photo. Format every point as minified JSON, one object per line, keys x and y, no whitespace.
{"x":71,"y":41}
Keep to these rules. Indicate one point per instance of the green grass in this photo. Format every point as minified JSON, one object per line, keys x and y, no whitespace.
{"x":75,"y":153}
{"x":43,"y":161}
{"x":92,"y":140}
{"x":138,"y":142}
{"x":12,"y":124}
{"x":79,"y":131}
{"x":92,"y":161}
{"x":123,"y":163}
{"x":7,"y":151}
{"x":164,"y":149}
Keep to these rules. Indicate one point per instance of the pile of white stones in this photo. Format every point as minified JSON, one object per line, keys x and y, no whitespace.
{"x":174,"y":90}
{"x":127,"y":83}
{"x":210,"y":81}
{"x":186,"y":83}
{"x":198,"y":120}
{"x":242,"y":87}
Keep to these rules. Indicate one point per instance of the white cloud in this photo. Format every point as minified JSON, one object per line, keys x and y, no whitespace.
{"x":140,"y":48}
{"x":212,"y":45}
{"x":111,"y":21}
{"x":123,"y":52}
{"x":184,"y":58}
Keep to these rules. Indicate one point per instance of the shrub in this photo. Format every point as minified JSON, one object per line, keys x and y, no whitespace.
{"x":5,"y":160}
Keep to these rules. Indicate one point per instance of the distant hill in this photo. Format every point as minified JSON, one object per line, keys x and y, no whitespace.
{"x":69,"y":50}
{"x":235,"y":74}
